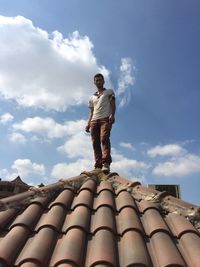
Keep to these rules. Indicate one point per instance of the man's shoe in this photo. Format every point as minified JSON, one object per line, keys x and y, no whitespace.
{"x":106,"y":167}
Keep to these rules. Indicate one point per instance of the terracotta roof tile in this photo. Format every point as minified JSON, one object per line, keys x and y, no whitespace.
{"x":103,"y":218}
{"x":124,"y":199}
{"x":13,"y":243}
{"x":153,"y":222}
{"x":6,"y":217}
{"x":42,"y":201}
{"x":64,"y":198}
{"x":105,"y":185}
{"x":70,"y":249}
{"x":133,"y":250}
{"x":144,"y":205}
{"x":79,"y":217}
{"x":85,"y":197}
{"x":89,"y":221}
{"x":164,"y":252}
{"x":128,"y":219}
{"x":30,"y":264}
{"x":53,"y":218}
{"x":179,"y":225}
{"x":104,"y":198}
{"x":90,"y":185}
{"x":190,"y":247}
{"x":39,"y":248}
{"x":102,"y":249}
{"x":28,"y":217}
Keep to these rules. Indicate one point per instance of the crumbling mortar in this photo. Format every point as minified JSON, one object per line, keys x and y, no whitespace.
{"x":192,"y":214}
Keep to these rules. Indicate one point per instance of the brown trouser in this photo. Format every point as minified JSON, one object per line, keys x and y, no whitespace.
{"x":100,"y":134}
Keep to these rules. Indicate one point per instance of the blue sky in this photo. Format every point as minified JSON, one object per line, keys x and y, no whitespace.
{"x":149,"y":54}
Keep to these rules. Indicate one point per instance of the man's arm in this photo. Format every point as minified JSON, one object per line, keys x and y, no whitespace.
{"x":87,"y":128}
{"x":113,"y":109}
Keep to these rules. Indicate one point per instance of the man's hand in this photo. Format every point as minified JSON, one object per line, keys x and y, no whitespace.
{"x":87,"y":128}
{"x":111,"y":119}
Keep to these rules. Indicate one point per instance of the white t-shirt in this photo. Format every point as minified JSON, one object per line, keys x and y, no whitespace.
{"x":101,"y":104}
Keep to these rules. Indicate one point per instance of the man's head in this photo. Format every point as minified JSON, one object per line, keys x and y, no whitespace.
{"x":99,"y":80}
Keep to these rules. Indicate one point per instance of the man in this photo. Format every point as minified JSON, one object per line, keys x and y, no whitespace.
{"x":102,"y":116}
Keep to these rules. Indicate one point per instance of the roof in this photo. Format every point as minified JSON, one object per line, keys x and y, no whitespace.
{"x":98,"y":220}
{"x":17,"y":181}
{"x":9,"y":188}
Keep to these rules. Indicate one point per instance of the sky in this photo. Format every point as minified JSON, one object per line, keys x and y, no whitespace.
{"x":149,"y":53}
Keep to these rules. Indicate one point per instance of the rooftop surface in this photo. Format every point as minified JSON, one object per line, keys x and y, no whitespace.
{"x":98,"y":220}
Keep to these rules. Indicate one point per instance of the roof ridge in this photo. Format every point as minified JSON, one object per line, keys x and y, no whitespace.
{"x":33,"y":192}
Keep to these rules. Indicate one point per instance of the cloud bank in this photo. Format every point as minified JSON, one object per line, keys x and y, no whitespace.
{"x":49,"y":128}
{"x":126,"y":81}
{"x":5,"y":118}
{"x":24,"y":168}
{"x":180,"y":163}
{"x":43,"y":70}
{"x":167,"y":150}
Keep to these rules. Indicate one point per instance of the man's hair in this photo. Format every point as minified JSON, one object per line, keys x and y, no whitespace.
{"x":98,"y":75}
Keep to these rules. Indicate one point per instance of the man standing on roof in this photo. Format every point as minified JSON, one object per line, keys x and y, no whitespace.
{"x":102,"y":116}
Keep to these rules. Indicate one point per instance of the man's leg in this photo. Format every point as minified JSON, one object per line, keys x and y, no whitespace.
{"x":96,"y":143}
{"x":105,"y":141}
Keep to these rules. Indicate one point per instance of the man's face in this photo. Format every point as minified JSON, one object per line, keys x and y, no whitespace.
{"x":99,"y":82}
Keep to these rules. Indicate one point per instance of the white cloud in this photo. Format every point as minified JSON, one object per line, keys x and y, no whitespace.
{"x":180,"y":163}
{"x":179,"y":166}
{"x":127,"y":167}
{"x":24,"y":167}
{"x":79,"y":145}
{"x":48,"y":127}
{"x":6,"y":117}
{"x":43,"y":70}
{"x":127,"y":145}
{"x":67,"y":170}
{"x":167,"y":150}
{"x":126,"y":79}
{"x":17,"y":138}
{"x":6,"y":175}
